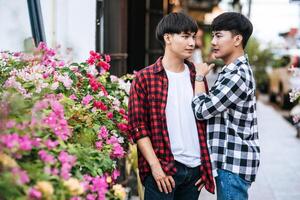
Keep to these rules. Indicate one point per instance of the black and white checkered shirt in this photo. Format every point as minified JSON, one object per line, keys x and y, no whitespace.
{"x":230,"y":111}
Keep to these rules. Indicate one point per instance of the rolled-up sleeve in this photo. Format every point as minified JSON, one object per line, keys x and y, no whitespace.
{"x":226,"y":93}
{"x":137,"y":110}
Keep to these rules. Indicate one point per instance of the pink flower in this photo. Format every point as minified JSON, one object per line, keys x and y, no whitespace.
{"x":51,"y":52}
{"x":100,"y":105}
{"x":65,"y":171}
{"x":93,"y":57}
{"x":91,"y":197}
{"x":123,"y":127}
{"x":51,"y":144}
{"x":25,"y":143}
{"x":47,"y":158}
{"x":50,"y":120}
{"x":112,"y":140}
{"x":22,"y":176}
{"x":42,"y":46}
{"x":73,"y":97}
{"x":54,"y":171}
{"x":35,"y":194}
{"x":62,"y":131}
{"x":125,"y":117}
{"x":10,"y":140}
{"x":122,"y":111}
{"x":107,"y":58}
{"x":103,"y":90}
{"x":115,"y":174}
{"x":99,"y":185}
{"x":86,"y":100}
{"x":17,"y":54}
{"x":64,"y":157}
{"x":10,"y":124}
{"x":36,"y":142}
{"x":110,"y":115}
{"x":99,"y":145}
{"x":103,"y":133}
{"x":90,"y":61}
{"x":93,"y":82}
{"x":45,"y":75}
{"x":114,"y":79}
{"x":65,"y":80}
{"x":67,"y":162}
{"x":104,"y":65}
{"x":87,"y":178}
{"x":61,"y":63}
{"x":118,"y":151}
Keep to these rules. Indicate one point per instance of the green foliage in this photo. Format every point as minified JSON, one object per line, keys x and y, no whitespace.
{"x":258,"y":56}
{"x":91,"y":161}
{"x":281,"y":61}
{"x":259,"y":59}
{"x":7,"y":184}
{"x":60,"y":125}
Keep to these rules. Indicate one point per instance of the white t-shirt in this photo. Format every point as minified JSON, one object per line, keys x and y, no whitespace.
{"x":181,"y":122}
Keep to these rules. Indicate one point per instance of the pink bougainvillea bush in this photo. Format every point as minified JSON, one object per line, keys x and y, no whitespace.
{"x":63,"y":127}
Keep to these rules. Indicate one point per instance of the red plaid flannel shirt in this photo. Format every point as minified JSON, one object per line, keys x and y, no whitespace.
{"x":147,"y":118}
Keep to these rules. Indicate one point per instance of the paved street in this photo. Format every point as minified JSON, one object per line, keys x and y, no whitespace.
{"x":279,"y":173}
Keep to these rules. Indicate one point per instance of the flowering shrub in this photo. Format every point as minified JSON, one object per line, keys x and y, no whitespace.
{"x":295,"y":93}
{"x":62,"y":127}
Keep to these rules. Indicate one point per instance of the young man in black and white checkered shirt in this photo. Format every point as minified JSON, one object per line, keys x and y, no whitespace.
{"x":230,"y":108}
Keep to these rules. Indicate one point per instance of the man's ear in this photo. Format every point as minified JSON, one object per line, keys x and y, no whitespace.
{"x":167,"y":38}
{"x":238,"y":39}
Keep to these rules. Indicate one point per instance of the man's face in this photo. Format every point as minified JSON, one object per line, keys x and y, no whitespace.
{"x":182,"y":44}
{"x":223,"y":44}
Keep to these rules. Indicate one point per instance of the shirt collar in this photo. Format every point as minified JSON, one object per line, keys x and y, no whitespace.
{"x":232,"y":66}
{"x":158,"y":67}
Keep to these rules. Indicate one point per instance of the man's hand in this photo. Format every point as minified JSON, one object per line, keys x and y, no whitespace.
{"x":203,"y":68}
{"x":199,"y":184}
{"x":164,"y":183}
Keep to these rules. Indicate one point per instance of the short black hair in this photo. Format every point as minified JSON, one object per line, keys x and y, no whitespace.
{"x":234,"y":22}
{"x":175,"y":23}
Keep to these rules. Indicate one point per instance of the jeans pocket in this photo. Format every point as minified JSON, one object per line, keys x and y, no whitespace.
{"x":231,"y":186}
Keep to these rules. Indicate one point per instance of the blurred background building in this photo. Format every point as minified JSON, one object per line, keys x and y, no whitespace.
{"x":125,"y":29}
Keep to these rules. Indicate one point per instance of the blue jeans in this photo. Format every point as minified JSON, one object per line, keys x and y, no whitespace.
{"x":185,"y":189}
{"x":231,"y":187}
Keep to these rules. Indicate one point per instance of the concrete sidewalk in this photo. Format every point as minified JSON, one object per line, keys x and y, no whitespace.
{"x":279,"y":173}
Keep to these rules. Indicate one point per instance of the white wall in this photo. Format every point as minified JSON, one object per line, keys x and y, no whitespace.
{"x":69,"y":23}
{"x":14,"y":24}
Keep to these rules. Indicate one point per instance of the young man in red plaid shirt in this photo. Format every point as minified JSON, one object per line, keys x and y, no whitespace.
{"x":172,"y":152}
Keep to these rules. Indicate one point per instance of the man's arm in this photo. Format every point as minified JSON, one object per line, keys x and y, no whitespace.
{"x":164,"y":183}
{"x":145,"y":146}
{"x":137,"y":110}
{"x":231,"y":90}
{"x":138,"y":125}
{"x":202,"y":69}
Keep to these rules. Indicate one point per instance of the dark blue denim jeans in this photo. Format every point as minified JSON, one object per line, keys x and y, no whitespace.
{"x":185,"y":188}
{"x":231,"y":187}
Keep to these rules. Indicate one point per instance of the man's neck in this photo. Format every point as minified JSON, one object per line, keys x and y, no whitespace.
{"x":231,"y":58}
{"x":173,"y":63}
